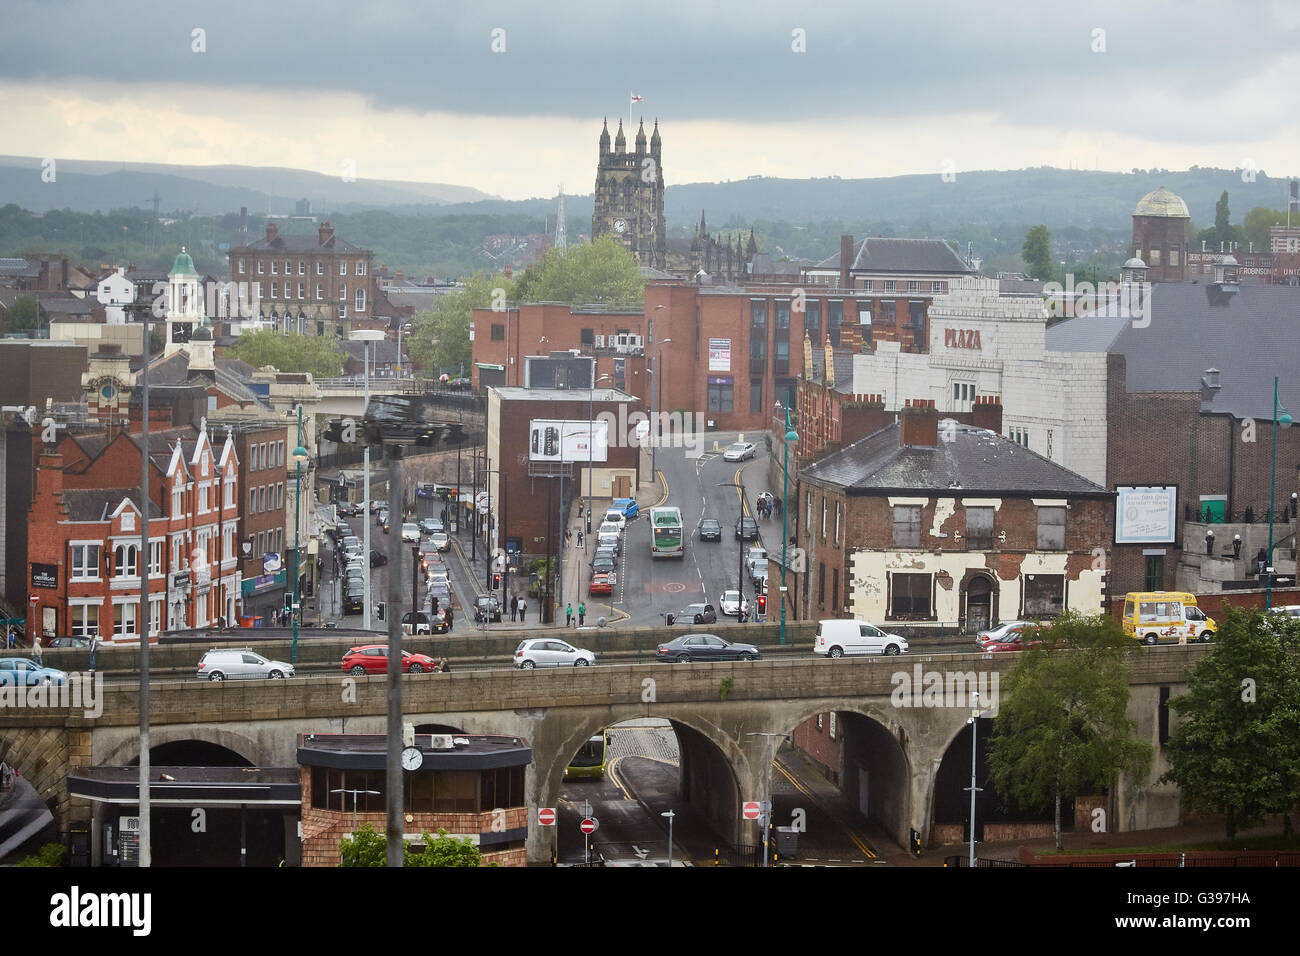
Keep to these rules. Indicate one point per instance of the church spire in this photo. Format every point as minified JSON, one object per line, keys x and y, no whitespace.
{"x":620,"y":141}
{"x":752,"y":249}
{"x":654,"y":140}
{"x":640,"y":138}
{"x":604,"y":139}
{"x":704,"y":230}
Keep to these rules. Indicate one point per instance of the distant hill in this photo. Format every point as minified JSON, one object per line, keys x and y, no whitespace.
{"x":88,"y":185}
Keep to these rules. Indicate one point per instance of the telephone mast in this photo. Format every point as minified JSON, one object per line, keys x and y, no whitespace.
{"x":561,"y":242}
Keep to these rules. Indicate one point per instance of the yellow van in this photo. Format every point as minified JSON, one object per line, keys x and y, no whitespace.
{"x":1166,"y":617}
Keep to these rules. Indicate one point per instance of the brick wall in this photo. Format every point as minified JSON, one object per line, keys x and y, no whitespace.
{"x":816,"y":742}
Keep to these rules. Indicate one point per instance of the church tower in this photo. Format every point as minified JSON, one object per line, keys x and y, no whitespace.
{"x":184,"y":302}
{"x":629,"y":203}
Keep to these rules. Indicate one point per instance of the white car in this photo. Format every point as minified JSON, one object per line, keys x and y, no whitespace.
{"x":608,"y":539}
{"x":440,"y":540}
{"x":1001,"y":632}
{"x":549,"y":652}
{"x":729,"y":603}
{"x":608,"y":526}
{"x":739,"y":451}
{"x":843,"y":637}
{"x":411,"y":532}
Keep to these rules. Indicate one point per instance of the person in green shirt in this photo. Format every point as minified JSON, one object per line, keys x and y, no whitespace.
{"x":582,"y":613}
{"x":568,"y":615}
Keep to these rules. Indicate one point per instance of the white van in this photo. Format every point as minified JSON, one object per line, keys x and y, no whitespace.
{"x":615,"y":516}
{"x":838,"y":638}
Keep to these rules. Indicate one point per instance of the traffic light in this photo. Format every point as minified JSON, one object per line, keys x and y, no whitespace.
{"x":916,"y":842}
{"x":434,"y":608}
{"x":762,"y":604}
{"x":496,"y":580}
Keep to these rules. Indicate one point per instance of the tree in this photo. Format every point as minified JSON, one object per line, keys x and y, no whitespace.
{"x":1258,"y":221}
{"x":367,"y":847}
{"x":602,"y":271}
{"x":1222,"y":220}
{"x":317,"y":354}
{"x":1037,"y":253}
{"x":440,"y":334}
{"x":1236,"y":750}
{"x":24,"y":315}
{"x":1061,"y":728}
{"x":445,"y":851}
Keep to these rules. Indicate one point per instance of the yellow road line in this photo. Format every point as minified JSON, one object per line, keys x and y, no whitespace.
{"x":858,"y":839}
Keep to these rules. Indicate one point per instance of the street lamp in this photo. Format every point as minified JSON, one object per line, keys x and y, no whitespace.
{"x":669,"y":814}
{"x":974,"y":727}
{"x":1283,"y":421}
{"x":299,"y":456}
{"x":790,"y":435}
{"x":354,"y":804}
{"x":366,"y":336}
{"x":591,"y":438}
{"x":740,"y":569}
{"x":655,"y":408}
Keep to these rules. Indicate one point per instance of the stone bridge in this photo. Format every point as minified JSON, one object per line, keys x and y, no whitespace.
{"x":719,"y":711}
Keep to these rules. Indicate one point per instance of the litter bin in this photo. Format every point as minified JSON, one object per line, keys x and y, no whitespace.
{"x":787,"y":841}
{"x":247,"y":620}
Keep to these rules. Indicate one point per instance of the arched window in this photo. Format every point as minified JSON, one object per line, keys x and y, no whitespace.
{"x":124,"y":560}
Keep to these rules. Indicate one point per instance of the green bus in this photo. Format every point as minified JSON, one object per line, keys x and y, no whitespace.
{"x":589,"y":762}
{"x":666,"y":532}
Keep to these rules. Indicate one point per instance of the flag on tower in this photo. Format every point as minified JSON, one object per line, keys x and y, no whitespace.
{"x":635,"y":98}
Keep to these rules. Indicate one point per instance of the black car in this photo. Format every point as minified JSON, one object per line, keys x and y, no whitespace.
{"x":692,"y":614}
{"x":603,"y":564}
{"x":377,"y":558}
{"x":710,"y":529}
{"x":489,"y":606}
{"x":342,"y":530}
{"x":705,"y":647}
{"x":746,"y":529}
{"x":353,"y":601}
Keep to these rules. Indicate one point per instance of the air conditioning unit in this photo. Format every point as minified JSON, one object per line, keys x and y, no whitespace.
{"x":600,"y":341}
{"x":635,"y":341}
{"x":442,"y":742}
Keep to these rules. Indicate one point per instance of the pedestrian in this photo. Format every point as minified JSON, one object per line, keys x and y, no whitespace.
{"x":778,"y":507}
{"x":514,"y":608}
{"x":568,"y":614}
{"x":582,"y":613}
{"x":448,"y":613}
{"x":12,"y":638}
{"x":523,"y":608}
{"x":580,"y":537}
{"x":568,"y":537}
{"x":579,"y":510}
{"x":36,"y":650}
{"x":94,"y":645}
{"x":444,"y":667}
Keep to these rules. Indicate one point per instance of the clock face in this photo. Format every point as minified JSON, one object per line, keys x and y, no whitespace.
{"x":108,"y":391}
{"x":412,"y":758}
{"x":620,"y":225}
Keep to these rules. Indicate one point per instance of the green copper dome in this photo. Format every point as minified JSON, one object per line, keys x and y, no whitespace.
{"x":183,"y":265}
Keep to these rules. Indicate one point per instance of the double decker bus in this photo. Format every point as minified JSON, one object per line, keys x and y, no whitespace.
{"x":589,"y":762}
{"x":666,"y":532}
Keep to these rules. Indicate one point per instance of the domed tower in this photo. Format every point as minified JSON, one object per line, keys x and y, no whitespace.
{"x":1160,"y":224}
{"x":184,"y":302}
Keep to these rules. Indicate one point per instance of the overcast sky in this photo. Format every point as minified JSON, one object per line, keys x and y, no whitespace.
{"x":415,"y":90}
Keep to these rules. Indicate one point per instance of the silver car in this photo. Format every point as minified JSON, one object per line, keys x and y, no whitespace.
{"x":548,"y":652}
{"x":739,"y":451}
{"x":240,"y":664}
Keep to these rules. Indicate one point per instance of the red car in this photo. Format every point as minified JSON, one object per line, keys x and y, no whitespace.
{"x":600,"y":584}
{"x":1017,"y":640}
{"x":373,"y":659}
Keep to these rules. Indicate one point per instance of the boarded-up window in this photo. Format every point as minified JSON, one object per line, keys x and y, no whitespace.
{"x":909,"y":596}
{"x":1051,"y":529}
{"x":907,"y":526}
{"x":979,"y":528}
{"x":1044,"y":595}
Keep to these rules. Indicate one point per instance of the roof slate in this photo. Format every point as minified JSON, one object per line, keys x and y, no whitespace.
{"x":97,"y":504}
{"x":880,"y":254}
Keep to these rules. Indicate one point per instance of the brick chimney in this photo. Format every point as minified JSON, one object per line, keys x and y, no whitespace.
{"x":987,"y":413}
{"x":846,"y":260}
{"x":919,"y":427}
{"x":272,"y":230}
{"x":50,"y":473}
{"x":325,"y":233}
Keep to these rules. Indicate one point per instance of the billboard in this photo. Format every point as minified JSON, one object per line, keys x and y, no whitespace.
{"x":1146,"y":514}
{"x":719,"y":355}
{"x":550,"y":440}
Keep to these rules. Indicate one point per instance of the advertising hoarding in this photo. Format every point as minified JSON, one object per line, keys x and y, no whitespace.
{"x":550,"y":440}
{"x":1146,"y":514}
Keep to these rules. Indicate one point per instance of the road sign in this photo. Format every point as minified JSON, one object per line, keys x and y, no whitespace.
{"x":751,"y":809}
{"x":589,"y":825}
{"x":584,"y":808}
{"x":34,"y":599}
{"x":546,"y":816}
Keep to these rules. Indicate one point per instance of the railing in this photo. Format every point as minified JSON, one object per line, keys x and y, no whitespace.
{"x":379,"y":384}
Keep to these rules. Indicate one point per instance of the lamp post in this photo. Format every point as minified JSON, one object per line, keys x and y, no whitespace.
{"x":669,"y":814}
{"x":973,"y":720}
{"x":354,"y":803}
{"x":790,"y":435}
{"x":299,"y":456}
{"x":740,"y":569}
{"x":365,"y":337}
{"x":1283,"y":421}
{"x":656,"y":408}
{"x":591,"y":438}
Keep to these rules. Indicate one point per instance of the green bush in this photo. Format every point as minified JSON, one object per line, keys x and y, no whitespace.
{"x":52,"y":854}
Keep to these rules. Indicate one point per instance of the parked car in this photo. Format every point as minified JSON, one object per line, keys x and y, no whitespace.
{"x":21,"y":672}
{"x":242,"y":663}
{"x":430,"y":525}
{"x":378,"y":505}
{"x":628,"y":506}
{"x":411,"y":532}
{"x":352,"y":545}
{"x":488,"y":606}
{"x":341,"y":530}
{"x":705,"y":647}
{"x":548,"y":652}
{"x":710,"y":529}
{"x":373,"y":659}
{"x":609,"y":526}
{"x":353,"y":601}
{"x":739,"y":451}
{"x":610,"y":553}
{"x":615,"y":517}
{"x":692,"y":614}
{"x":1000,"y":632}
{"x":601,"y":583}
{"x":440,"y":540}
{"x":604,"y":564}
{"x":746,"y":529}
{"x":608,"y":539}
{"x":841,"y":637}
{"x":68,"y":642}
{"x":729,"y":604}
{"x":462,"y":384}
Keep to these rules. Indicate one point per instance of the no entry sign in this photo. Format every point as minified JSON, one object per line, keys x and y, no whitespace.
{"x":589,"y":825}
{"x":546,"y":816}
{"x":751,"y":810}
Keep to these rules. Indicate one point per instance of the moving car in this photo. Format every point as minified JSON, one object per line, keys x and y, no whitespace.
{"x":242,"y":663}
{"x":378,"y":505}
{"x":548,"y":652}
{"x":692,"y":614}
{"x":21,"y":672}
{"x":705,"y":647}
{"x":729,"y":604}
{"x":739,"y":451}
{"x":373,"y":659}
{"x":463,"y":384}
{"x":440,"y":540}
{"x":377,"y":558}
{"x":1163,"y":617}
{"x":746,"y":529}
{"x":1001,"y":632}
{"x":601,"y":583}
{"x":710,"y":529}
{"x":430,"y":525}
{"x":489,"y":606}
{"x":1016,"y":640}
{"x":840,"y":637}
{"x":68,"y":642}
{"x":411,"y":532}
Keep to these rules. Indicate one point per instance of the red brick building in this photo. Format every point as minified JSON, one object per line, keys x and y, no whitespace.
{"x":85,"y":569}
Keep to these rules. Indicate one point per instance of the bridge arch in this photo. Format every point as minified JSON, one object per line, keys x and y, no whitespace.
{"x":127,"y":751}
